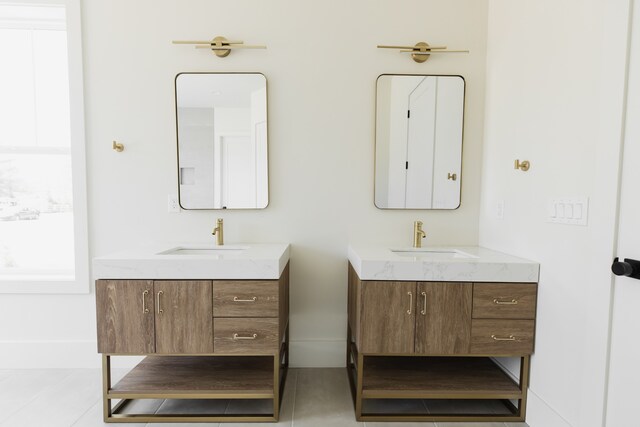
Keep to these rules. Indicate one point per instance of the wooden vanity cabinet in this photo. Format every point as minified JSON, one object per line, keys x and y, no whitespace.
{"x":410,"y":317}
{"x":437,"y":340}
{"x":204,"y":339}
{"x":144,"y":317}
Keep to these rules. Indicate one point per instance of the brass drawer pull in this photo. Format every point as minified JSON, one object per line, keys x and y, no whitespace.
{"x":251,"y":337}
{"x":160,"y":311}
{"x":410,"y":302}
{"x":145,"y":310}
{"x":505,"y":302}
{"x":510,"y":338}
{"x":424,"y":307}
{"x":236,"y":299}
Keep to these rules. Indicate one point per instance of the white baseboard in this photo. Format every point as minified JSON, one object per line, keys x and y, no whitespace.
{"x":84,"y":354}
{"x":540,"y":414}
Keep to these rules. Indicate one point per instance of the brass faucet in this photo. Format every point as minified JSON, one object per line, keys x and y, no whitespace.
{"x":418,"y":234}
{"x":218,"y":233}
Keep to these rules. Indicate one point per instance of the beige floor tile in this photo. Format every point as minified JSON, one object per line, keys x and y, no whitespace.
{"x":323,"y":399}
{"x":398,"y":424}
{"x":19,"y":387}
{"x":447,"y":406}
{"x":470,"y":424}
{"x":61,"y":404}
{"x":394,"y":406}
{"x":286,"y":407}
{"x":193,"y":406}
{"x":93,"y":417}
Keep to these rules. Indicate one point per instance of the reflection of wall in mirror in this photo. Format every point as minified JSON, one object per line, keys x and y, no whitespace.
{"x":195,"y":134}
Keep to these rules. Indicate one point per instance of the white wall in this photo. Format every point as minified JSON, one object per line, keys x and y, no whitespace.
{"x":321,"y":65}
{"x":555,"y":102}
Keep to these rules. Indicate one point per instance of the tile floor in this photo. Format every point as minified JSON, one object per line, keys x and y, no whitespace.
{"x":312,"y":397}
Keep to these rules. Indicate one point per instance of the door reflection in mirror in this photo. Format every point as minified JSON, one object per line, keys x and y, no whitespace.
{"x":221,"y":123}
{"x":419,"y":122}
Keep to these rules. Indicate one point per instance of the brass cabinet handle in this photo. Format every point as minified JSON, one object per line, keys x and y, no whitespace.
{"x":424,"y":307}
{"x":145,"y":310}
{"x":505,"y":302}
{"x":160,"y":311}
{"x":236,"y":299}
{"x":509,"y":338}
{"x":251,"y":337}
{"x":410,"y":302}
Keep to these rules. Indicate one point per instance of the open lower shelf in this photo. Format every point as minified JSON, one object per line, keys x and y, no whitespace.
{"x":198,"y":377}
{"x":395,"y":377}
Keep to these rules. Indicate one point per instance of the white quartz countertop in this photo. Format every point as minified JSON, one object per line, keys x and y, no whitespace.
{"x":448,"y":264}
{"x":250,"y":261}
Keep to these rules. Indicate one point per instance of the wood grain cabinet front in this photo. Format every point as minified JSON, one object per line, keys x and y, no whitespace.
{"x":421,"y":318}
{"x":437,"y":340}
{"x":205,"y":339}
{"x":144,"y":317}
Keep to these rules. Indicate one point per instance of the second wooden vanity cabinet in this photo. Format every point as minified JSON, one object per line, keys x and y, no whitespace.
{"x":203,"y":339}
{"x":437,"y":340}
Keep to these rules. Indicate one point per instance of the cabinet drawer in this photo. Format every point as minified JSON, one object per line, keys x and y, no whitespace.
{"x":245,"y":335}
{"x":502,"y":336}
{"x":504,"y":300}
{"x":245,"y":299}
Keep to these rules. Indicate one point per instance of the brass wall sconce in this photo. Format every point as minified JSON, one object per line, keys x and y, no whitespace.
{"x":421,"y":51}
{"x":220,"y":46}
{"x":522,"y":165}
{"x":118,"y":146}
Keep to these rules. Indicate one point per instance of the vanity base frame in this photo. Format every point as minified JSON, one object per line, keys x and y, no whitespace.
{"x":211,"y":376}
{"x":375,"y":376}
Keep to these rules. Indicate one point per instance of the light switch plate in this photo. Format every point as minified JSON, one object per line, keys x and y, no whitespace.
{"x":568,"y":210}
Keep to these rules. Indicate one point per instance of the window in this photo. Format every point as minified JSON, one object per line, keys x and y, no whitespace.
{"x":43,"y":231}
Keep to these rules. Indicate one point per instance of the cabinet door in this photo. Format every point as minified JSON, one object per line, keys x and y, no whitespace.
{"x":443,"y":318}
{"x":124,"y":311}
{"x":388,"y":317}
{"x":184,"y":317}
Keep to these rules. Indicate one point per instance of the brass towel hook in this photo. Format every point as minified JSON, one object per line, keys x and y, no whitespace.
{"x":219,"y":45}
{"x":118,"y":146}
{"x":421,"y":51}
{"x":522,"y":165}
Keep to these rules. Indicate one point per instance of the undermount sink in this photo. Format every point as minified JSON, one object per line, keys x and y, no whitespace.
{"x":205,"y":250}
{"x":431,"y":253}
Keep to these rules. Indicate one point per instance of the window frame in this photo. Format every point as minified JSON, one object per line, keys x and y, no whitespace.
{"x":81,"y":282}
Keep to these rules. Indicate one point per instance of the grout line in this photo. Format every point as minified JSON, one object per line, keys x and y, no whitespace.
{"x":85,"y":412}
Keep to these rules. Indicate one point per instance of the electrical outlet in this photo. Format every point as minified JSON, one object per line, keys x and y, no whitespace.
{"x":172,"y":204}
{"x":500,"y":209}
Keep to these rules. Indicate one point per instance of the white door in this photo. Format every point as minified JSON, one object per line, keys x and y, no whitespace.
{"x":238,"y":172}
{"x":420,"y":144}
{"x":624,"y":365}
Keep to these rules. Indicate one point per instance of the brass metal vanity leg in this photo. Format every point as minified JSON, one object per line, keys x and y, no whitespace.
{"x":106,"y":386}
{"x":524,"y":385}
{"x":359,"y":387}
{"x":276,"y":385}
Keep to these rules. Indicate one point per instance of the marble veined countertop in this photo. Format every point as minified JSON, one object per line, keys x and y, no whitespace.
{"x":447,"y":264}
{"x":250,"y":261}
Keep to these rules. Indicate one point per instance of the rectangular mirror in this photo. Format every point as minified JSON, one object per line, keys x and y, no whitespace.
{"x":419,"y":120}
{"x":221,"y":121}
